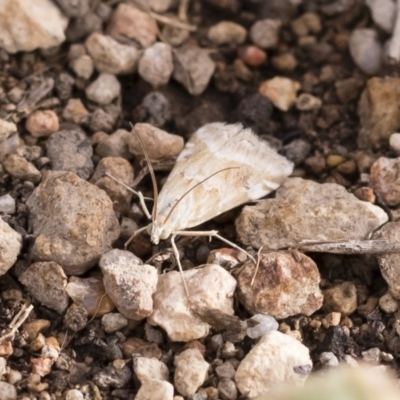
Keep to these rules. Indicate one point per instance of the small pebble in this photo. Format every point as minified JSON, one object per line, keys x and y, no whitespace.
{"x":383,"y":13}
{"x":265,"y":33}
{"x":341,"y":298}
{"x":334,"y":160}
{"x":266,"y":323}
{"x":285,"y":62}
{"x":252,"y":55}
{"x":42,"y":123}
{"x":281,"y":91}
{"x":7,"y":204}
{"x":308,"y":102}
{"x":372,"y":356}
{"x":388,"y":303}
{"x":227,"y":32}
{"x":74,"y":394}
{"x":75,"y":318}
{"x":328,"y":359}
{"x":7,"y":391}
{"x":113,"y":322}
{"x":394,"y":143}
{"x":158,"y":108}
{"x":155,"y":389}
{"x":332,"y":319}
{"x":6,"y":129}
{"x":366,"y":50}
{"x":366,"y":194}
{"x":83,"y":66}
{"x":104,"y":89}
{"x":156,"y":65}
{"x":20,"y":168}
{"x":227,"y":389}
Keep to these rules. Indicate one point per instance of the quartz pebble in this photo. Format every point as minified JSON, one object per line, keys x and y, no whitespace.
{"x":56,"y":208}
{"x":155,"y":389}
{"x":227,"y":32}
{"x":7,"y":204}
{"x":323,"y":212}
{"x":282,"y":287}
{"x":110,"y":56}
{"x":378,"y":112}
{"x":394,"y":142}
{"x":193,"y":68}
{"x":26,"y":26}
{"x":150,"y":368}
{"x":74,"y":394}
{"x":210,"y":288}
{"x":113,"y":322}
{"x":281,"y":91}
{"x":70,"y":150}
{"x":383,"y":13}
{"x":191,"y":371}
{"x":90,"y":293}
{"x":265,"y":33}
{"x":46,"y":281}
{"x":275,"y":360}
{"x":366,"y":50}
{"x":104,"y":89}
{"x":129,"y":283}
{"x":156,"y":65}
{"x":159,"y":144}
{"x":128,"y":21}
{"x":266,"y":324}
{"x":42,"y":123}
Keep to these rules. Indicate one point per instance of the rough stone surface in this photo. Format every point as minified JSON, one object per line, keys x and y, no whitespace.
{"x":283,"y":286}
{"x":378,"y":111}
{"x":114,"y":145}
{"x":46,"y":281}
{"x":275,"y":360}
{"x":42,"y":123}
{"x":156,"y":64}
{"x":70,"y":150}
{"x":150,"y":368}
{"x":74,"y":111}
{"x":7,"y":391}
{"x":227,"y":32}
{"x":90,"y":293}
{"x":210,"y":288}
{"x":265,"y":33}
{"x":281,"y":91}
{"x":7,"y":204}
{"x":129,"y":283}
{"x":389,"y":263}
{"x":191,"y":371}
{"x":341,"y":298}
{"x":7,"y":129}
{"x":104,"y":89}
{"x":73,"y":221}
{"x":120,"y":169}
{"x":193,"y":68}
{"x":83,"y":66}
{"x":110,"y":56}
{"x":10,"y":244}
{"x":305,"y":210}
{"x":26,"y":25}
{"x":155,"y":390}
{"x":366,"y":50}
{"x":113,"y":322}
{"x":129,"y":21}
{"x":20,"y":168}
{"x":385,"y":180}
{"x":159,"y":144}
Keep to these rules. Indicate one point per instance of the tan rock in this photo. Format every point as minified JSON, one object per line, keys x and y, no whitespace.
{"x":10,"y":244}
{"x":42,"y":123}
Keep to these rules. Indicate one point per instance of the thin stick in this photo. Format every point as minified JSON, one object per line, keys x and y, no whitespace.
{"x":134,"y":234}
{"x":138,"y":194}
{"x":175,"y":23}
{"x":17,"y":321}
{"x":393,"y":51}
{"x":257,"y":265}
{"x":178,"y":261}
{"x":183,"y":9}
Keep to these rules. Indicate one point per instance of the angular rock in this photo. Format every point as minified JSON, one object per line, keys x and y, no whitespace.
{"x":128,"y":21}
{"x":159,"y":144}
{"x":10,"y":245}
{"x":150,"y":368}
{"x":120,"y":169}
{"x":46,"y":281}
{"x":385,"y":180}
{"x":265,"y":33}
{"x":378,"y":111}
{"x":104,"y":89}
{"x":42,"y":123}
{"x":129,"y":283}
{"x":76,"y":112}
{"x":110,"y":56}
{"x":266,"y":324}
{"x":276,"y":360}
{"x":305,"y":210}
{"x":341,"y":298}
{"x":7,"y":204}
{"x":135,"y":346}
{"x":210,"y":288}
{"x":70,"y":150}
{"x":283,"y":286}
{"x":389,"y":263}
{"x":156,"y":64}
{"x":115,"y":145}
{"x":191,"y":371}
{"x":90,"y":294}
{"x":83,"y":66}
{"x":20,"y":168}
{"x":26,"y":25}
{"x":6,"y":129}
{"x":73,"y":221}
{"x":113,"y":322}
{"x":281,"y":91}
{"x":193,"y":68}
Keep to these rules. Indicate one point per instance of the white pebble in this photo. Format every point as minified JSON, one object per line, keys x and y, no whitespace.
{"x":104,"y":89}
{"x":394,"y":142}
{"x":329,"y":359}
{"x":7,"y":204}
{"x":266,"y":324}
{"x":7,"y":391}
{"x":113,"y":322}
{"x":74,"y":394}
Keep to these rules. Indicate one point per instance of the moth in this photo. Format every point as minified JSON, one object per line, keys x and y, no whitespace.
{"x":222,"y":166}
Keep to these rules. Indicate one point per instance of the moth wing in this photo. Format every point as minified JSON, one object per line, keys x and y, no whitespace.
{"x":255,"y":169}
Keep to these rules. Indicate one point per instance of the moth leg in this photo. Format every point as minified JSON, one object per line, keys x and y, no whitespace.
{"x":178,"y":261}
{"x":138,"y":194}
{"x":214,"y":234}
{"x":126,"y":244}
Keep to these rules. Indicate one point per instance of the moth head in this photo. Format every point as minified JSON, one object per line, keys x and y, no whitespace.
{"x":158,"y":232}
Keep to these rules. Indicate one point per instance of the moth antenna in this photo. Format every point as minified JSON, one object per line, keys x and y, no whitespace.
{"x":194,"y":187}
{"x":151,"y":171}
